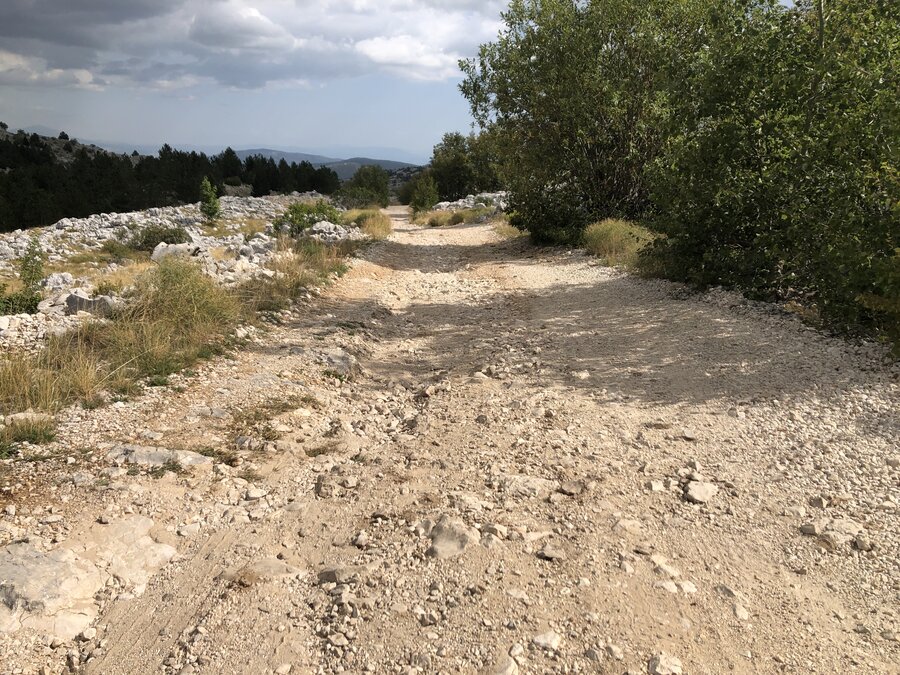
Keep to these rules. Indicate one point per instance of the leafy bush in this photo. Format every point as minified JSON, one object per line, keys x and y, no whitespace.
{"x":618,"y":242}
{"x":148,"y":238}
{"x":302,"y":216}
{"x":31,"y":272}
{"x":358,"y":198}
{"x":118,"y":251}
{"x":756,"y":136}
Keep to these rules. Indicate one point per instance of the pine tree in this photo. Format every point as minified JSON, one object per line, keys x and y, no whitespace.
{"x":209,"y":201}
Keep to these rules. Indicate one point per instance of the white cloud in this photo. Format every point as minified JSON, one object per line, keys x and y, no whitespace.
{"x":16,"y":69}
{"x":248,"y":43}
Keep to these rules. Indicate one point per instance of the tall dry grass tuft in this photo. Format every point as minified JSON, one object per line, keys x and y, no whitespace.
{"x":617,"y":242}
{"x":371,"y":221}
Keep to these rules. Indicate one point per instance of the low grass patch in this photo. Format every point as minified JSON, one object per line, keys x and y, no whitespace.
{"x":446,"y":218}
{"x":297,"y":266}
{"x":371,"y":221}
{"x":507,"y":231}
{"x":617,"y":242}
{"x":35,"y":432}
{"x":256,"y":421}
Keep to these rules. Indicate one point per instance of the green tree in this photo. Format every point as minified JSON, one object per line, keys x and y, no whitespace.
{"x":451,"y":167}
{"x":369,"y":185}
{"x":209,"y":200}
{"x":424,"y":192}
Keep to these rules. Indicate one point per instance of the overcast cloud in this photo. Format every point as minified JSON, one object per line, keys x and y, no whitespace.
{"x":243,"y":43}
{"x":186,"y":46}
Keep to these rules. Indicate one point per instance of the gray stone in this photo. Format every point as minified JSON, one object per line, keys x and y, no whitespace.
{"x":698,"y":492}
{"x":450,"y":537}
{"x":551,"y":640}
{"x":663,"y":664}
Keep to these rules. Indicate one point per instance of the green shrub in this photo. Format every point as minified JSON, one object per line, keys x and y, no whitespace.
{"x":302,"y":216}
{"x":424,"y":193}
{"x":358,"y":198}
{"x":209,"y":201}
{"x":457,"y":219}
{"x":618,"y":242}
{"x":148,"y":238}
{"x":31,"y":272}
{"x":118,"y":251}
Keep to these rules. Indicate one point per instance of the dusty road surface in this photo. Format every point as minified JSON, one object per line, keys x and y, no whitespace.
{"x":489,"y":458}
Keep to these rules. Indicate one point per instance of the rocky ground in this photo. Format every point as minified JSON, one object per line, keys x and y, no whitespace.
{"x":472,"y":455}
{"x":238,"y":246}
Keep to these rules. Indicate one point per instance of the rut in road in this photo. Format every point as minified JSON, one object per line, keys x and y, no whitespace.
{"x":532,"y":464}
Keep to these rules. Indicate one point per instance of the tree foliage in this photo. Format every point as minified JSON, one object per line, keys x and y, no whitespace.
{"x":424,"y":193}
{"x":760,"y":139}
{"x":38,"y":189}
{"x":463,"y":165}
{"x":369,"y":186}
{"x":209,"y":200}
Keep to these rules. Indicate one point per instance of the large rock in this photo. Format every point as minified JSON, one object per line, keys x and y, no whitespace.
{"x":450,"y":537}
{"x":164,"y":250}
{"x":48,"y":592}
{"x":80,"y":300}
{"x":54,"y":592}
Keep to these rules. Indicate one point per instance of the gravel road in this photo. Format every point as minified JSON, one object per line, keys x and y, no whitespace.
{"x":494,"y":458}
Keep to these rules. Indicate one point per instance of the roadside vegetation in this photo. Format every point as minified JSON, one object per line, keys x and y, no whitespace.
{"x":371,"y":221}
{"x":756,"y":140}
{"x":174,"y":317}
{"x":445,"y":218}
{"x":617,"y":242}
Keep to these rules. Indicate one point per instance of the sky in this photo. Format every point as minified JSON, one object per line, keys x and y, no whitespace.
{"x":334,"y":77}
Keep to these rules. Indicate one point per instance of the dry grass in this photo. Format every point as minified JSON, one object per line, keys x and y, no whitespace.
{"x":297,"y":266}
{"x":35,"y":432}
{"x":507,"y":231}
{"x":176,"y":316}
{"x":617,"y":242}
{"x":371,"y":221}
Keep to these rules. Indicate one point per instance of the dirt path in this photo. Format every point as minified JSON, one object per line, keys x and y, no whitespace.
{"x":504,"y":459}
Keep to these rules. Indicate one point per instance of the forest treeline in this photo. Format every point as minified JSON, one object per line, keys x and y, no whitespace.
{"x":37,"y":188}
{"x":758,"y":140}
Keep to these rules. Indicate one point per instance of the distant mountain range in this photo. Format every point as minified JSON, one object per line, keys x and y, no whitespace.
{"x":344,"y":168}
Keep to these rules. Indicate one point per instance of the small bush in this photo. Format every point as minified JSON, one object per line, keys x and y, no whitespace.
{"x":118,"y":251}
{"x":618,"y":242}
{"x":424,"y":193}
{"x":300,"y":217}
{"x":359,"y":198}
{"x":31,"y":272}
{"x":148,"y":238}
